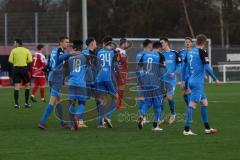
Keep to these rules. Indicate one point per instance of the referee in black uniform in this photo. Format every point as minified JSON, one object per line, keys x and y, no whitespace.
{"x":20,"y":57}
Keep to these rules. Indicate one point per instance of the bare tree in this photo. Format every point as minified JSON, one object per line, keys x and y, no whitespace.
{"x":188,"y":19}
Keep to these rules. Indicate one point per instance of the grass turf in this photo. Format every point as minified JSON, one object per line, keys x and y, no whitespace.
{"x":20,"y":138}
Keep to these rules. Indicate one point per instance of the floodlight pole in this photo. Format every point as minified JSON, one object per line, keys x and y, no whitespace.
{"x":84,"y":21}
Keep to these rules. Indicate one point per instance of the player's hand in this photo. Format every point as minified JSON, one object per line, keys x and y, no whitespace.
{"x":171,"y":75}
{"x":182,"y":84}
{"x":218,"y":83}
{"x":117,"y":96}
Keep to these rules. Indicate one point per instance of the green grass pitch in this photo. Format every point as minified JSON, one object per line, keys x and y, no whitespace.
{"x":21,"y":140}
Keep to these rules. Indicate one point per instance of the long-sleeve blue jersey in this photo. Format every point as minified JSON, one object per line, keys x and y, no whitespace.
{"x":198,"y":63}
{"x":57,"y":57}
{"x":78,"y":68}
{"x":139,"y":69}
{"x":173,"y":62}
{"x":108,"y":64}
{"x":183,"y":54}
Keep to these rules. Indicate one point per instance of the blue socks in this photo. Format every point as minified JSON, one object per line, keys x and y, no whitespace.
{"x":100,"y":109}
{"x":171,"y":105}
{"x":189,"y":115}
{"x":71,"y":114}
{"x":157,"y":112}
{"x":80,"y":110}
{"x":161,"y":115}
{"x":111,"y":110}
{"x":60,"y":113}
{"x":47,"y":113}
{"x":186,"y":99}
{"x":204,"y":114}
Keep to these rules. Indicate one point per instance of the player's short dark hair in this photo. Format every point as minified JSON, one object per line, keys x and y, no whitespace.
{"x":146,"y":42}
{"x":189,"y":38}
{"x":201,"y":39}
{"x":40,"y":46}
{"x":61,"y":39}
{"x":165,"y":39}
{"x":89,"y":40}
{"x":77,"y":44}
{"x":122,"y":41}
{"x":107,"y":39}
{"x":19,"y":41}
{"x":157,"y":45}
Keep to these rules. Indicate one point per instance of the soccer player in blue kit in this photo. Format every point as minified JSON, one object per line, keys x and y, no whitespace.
{"x":90,"y":52}
{"x":173,"y":63}
{"x":183,"y":54}
{"x":55,"y":78}
{"x":151,"y":63}
{"x":79,"y":66}
{"x":106,"y":83}
{"x":147,"y":48}
{"x":197,"y":62}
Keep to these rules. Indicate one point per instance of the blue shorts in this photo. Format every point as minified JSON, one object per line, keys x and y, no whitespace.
{"x":170,"y":88}
{"x":77,"y":98}
{"x":77,"y":93}
{"x":197,"y":96}
{"x":197,"y":93}
{"x":106,"y":87}
{"x":54,"y":93}
{"x":154,"y":101}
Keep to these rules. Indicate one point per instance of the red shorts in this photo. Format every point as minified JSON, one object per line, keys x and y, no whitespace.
{"x":39,"y":81}
{"x":122,"y":80}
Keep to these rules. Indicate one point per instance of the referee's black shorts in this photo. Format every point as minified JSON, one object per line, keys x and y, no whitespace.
{"x":20,"y":74}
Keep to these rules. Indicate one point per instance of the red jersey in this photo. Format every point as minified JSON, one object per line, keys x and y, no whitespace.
{"x":122,"y":65}
{"x":39,"y":63}
{"x":123,"y":59}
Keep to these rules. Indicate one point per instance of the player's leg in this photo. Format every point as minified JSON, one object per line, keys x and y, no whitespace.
{"x":26,"y":81}
{"x":72,"y":114}
{"x":204,"y":115}
{"x":60,"y":112}
{"x":121,"y":89}
{"x":194,"y":100}
{"x":171,"y":104}
{"x":17,"y":85}
{"x":80,"y":112}
{"x":157,"y":111}
{"x":48,"y":110}
{"x":170,"y":97}
{"x":110,"y":107}
{"x":35,"y":88}
{"x":100,"y":91}
{"x":42,"y":88}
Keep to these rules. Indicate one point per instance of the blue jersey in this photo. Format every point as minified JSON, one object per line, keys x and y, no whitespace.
{"x":183,"y":55}
{"x":152,"y":63}
{"x":57,"y":57}
{"x":139,"y":71}
{"x":88,"y":52}
{"x":108,"y":64}
{"x":78,"y":68}
{"x":198,"y":62}
{"x":172,"y":63}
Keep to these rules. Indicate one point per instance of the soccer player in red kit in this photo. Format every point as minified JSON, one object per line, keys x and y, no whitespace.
{"x":121,"y":82}
{"x":38,"y":64}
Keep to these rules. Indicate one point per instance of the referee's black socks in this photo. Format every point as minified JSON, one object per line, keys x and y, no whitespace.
{"x":16,"y":95}
{"x":27,"y":93}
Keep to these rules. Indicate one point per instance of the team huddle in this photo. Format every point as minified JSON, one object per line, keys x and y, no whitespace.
{"x":101,"y":74}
